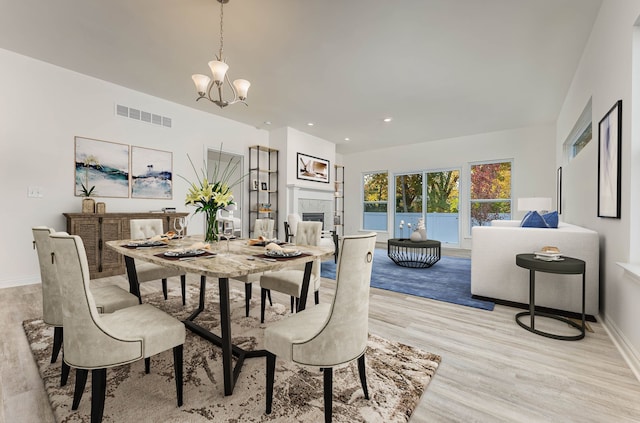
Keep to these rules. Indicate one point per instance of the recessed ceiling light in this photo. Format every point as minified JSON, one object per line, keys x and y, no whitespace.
{"x":347,"y":139}
{"x":267,"y":122}
{"x":310,"y":124}
{"x":387,"y":119}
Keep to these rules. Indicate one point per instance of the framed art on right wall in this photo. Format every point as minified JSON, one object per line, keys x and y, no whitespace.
{"x":609,"y":158}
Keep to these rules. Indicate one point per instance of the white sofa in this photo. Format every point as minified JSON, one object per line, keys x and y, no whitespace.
{"x":494,"y":273}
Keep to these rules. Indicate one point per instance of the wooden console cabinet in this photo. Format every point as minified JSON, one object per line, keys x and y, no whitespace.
{"x":96,"y":229}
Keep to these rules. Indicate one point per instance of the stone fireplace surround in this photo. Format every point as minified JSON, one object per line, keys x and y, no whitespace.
{"x":302,"y":199}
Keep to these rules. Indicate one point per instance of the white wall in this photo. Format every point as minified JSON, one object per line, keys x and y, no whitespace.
{"x":605,"y":74}
{"x":533,"y":173}
{"x":43,"y":107}
{"x":290,"y":142}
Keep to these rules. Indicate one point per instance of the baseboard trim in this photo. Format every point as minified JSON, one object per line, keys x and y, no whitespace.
{"x":629,"y":354}
{"x":569,"y":314}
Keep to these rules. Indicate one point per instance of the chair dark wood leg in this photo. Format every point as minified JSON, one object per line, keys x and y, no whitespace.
{"x":81,"y":382}
{"x":57,"y":343}
{"x":297,"y":304}
{"x":147,"y":365}
{"x":164,"y":288}
{"x":177,"y":368}
{"x":64,"y":375}
{"x":247,"y":298}
{"x":271,"y":371}
{"x":183,"y":286}
{"x":269,"y":295}
{"x":328,"y":393}
{"x":263,"y":300}
{"x":292,"y":303}
{"x":362,"y":371}
{"x":316,"y":297}
{"x":98,"y":390}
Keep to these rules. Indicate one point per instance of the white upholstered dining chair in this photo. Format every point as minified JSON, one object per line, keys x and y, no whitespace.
{"x":96,"y":342}
{"x":107,"y":298}
{"x":145,"y":229}
{"x":263,"y":227}
{"x":289,"y":281}
{"x":329,"y":335}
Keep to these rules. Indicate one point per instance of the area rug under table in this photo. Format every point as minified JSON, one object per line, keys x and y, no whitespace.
{"x":448,"y":280}
{"x":397,"y":376}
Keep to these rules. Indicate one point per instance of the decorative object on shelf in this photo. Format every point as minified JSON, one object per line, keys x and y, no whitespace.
{"x":151,"y":173}
{"x":88,"y":205}
{"x":313,"y":168}
{"x":264,"y":207}
{"x":101,"y":208}
{"x":211,"y":196}
{"x":255,"y":184}
{"x":102,"y":168}
{"x":219,"y":68}
{"x":422,"y":229}
{"x":609,"y":158}
{"x":264,"y":186}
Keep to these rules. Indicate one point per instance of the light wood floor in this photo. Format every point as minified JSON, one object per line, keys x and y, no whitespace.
{"x":492,"y":370}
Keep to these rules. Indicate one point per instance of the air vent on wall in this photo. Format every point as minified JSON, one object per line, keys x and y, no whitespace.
{"x":141,"y":115}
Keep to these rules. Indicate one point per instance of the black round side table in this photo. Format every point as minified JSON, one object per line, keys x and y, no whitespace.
{"x":407,"y":253}
{"x":567,"y":266}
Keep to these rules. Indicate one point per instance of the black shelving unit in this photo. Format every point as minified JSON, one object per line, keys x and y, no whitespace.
{"x":338,"y":200}
{"x":263,"y":186}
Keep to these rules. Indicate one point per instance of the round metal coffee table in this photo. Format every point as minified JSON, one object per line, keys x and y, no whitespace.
{"x":417,"y":254}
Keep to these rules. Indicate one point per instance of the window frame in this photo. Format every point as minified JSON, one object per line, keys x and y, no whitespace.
{"x":364,"y":203}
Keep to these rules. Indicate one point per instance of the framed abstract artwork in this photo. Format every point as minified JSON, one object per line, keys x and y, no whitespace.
{"x":101,"y":168}
{"x":559,"y":190}
{"x":609,"y":160}
{"x":312,"y":168}
{"x":151,"y":173}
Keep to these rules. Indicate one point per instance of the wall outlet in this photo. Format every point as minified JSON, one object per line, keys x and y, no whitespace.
{"x":34,"y":192}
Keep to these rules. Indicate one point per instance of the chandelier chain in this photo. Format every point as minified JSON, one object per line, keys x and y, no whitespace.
{"x":221,"y":31}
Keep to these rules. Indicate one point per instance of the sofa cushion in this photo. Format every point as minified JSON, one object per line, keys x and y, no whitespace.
{"x":551,"y":218}
{"x":533,"y":219}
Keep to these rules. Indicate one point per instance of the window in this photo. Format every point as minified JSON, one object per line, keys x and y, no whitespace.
{"x":580,"y":134}
{"x":375,"y":197}
{"x":490,"y":192}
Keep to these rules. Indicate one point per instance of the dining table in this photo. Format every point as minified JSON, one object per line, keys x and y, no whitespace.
{"x":224,"y":260}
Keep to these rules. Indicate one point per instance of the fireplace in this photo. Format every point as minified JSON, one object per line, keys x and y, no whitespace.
{"x":314,"y":217}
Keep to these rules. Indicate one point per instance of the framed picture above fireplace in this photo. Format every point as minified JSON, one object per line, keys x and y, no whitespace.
{"x":313,"y":168}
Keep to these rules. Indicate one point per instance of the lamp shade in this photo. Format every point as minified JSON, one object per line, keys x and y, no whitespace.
{"x":219,"y":70}
{"x":202,"y":82}
{"x":534,"y":203}
{"x":242,"y":87}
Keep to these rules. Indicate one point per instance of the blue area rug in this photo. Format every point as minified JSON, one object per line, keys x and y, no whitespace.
{"x":448,"y":280}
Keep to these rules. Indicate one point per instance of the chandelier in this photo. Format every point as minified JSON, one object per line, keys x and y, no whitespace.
{"x":219,"y":68}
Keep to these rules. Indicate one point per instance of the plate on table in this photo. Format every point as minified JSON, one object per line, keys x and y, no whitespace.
{"x":184,"y":253}
{"x":282,"y":254}
{"x":147,"y":244}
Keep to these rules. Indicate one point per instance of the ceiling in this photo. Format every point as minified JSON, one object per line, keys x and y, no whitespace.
{"x":439,"y":68}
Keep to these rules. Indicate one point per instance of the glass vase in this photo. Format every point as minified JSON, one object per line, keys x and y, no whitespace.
{"x":211,"y":233}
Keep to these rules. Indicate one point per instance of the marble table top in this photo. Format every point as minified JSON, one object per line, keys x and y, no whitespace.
{"x":239,"y":261}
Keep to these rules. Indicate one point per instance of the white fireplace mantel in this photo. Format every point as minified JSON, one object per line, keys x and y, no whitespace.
{"x":322,"y":193}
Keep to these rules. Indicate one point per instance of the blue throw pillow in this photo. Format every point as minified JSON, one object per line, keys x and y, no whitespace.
{"x":551,"y":219}
{"x":533,"y":220}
